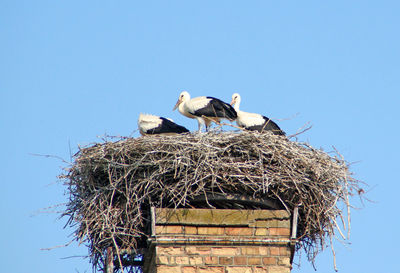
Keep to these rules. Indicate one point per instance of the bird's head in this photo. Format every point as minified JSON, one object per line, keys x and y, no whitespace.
{"x":184,"y":96}
{"x":235,"y":99}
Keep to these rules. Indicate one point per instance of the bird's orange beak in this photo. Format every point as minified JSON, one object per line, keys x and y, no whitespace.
{"x":233,"y":102}
{"x":177,"y":104}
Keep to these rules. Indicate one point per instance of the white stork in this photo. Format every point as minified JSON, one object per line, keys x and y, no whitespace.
{"x":252,"y":121}
{"x":151,"y":125}
{"x":204,"y":109}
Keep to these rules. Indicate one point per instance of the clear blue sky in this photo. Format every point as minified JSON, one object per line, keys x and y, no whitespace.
{"x":74,"y":70}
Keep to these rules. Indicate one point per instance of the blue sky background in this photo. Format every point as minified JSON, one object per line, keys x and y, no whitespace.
{"x":71,"y":71}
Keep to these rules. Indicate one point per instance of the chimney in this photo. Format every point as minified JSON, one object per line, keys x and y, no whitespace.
{"x":219,"y":241}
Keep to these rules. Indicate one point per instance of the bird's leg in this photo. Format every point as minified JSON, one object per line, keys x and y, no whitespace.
{"x":200,"y":123}
{"x":207,"y":121}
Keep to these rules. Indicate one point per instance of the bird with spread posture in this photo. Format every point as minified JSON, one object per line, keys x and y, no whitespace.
{"x":152,"y":125}
{"x":252,"y":121}
{"x":204,"y":109}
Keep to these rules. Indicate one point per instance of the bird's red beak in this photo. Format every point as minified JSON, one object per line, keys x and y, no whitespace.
{"x":177,"y":104}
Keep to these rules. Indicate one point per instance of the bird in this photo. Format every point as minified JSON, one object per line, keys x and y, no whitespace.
{"x":152,"y":125}
{"x":204,"y":109}
{"x":253,"y":121}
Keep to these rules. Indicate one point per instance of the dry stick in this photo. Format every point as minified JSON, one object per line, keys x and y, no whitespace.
{"x":118,"y":254}
{"x":54,"y":247}
{"x":333,"y":253}
{"x":302,"y":131}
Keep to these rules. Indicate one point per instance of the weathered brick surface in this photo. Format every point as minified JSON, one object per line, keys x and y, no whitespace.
{"x":189,"y":269}
{"x":171,"y":250}
{"x":182,"y":260}
{"x":279,"y":231}
{"x":250,"y":250}
{"x":211,"y":269}
{"x":284,"y":261}
{"x":261,"y":231}
{"x":190,"y":230}
{"x":264,"y":250}
{"x":196,"y":260}
{"x":211,"y":260}
{"x":197,"y":250}
{"x":169,"y":229}
{"x":220,"y":241}
{"x":162,"y":259}
{"x":241,"y":260}
{"x":269,"y":260}
{"x":237,"y":269}
{"x":225,"y":251}
{"x":278,"y":269}
{"x":210,"y":230}
{"x":279,"y":251}
{"x":168,"y":269}
{"x":239,"y":231}
{"x":260,"y":270}
{"x":254,"y":261}
{"x":225,"y":260}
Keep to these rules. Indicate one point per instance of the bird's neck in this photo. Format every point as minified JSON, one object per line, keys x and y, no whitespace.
{"x":237,"y":105}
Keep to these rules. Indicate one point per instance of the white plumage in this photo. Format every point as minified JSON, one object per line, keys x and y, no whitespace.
{"x":253,"y":121}
{"x":204,"y":109}
{"x":150,"y":125}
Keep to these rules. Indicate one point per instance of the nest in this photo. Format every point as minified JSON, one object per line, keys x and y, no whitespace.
{"x":112,"y":185}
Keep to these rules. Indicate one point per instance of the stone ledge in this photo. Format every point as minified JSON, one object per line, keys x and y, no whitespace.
{"x":221,"y":217}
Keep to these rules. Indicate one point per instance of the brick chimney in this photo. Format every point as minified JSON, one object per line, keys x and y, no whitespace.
{"x":219,"y":241}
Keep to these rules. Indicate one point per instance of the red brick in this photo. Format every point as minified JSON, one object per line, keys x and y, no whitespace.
{"x":279,"y":251}
{"x":225,"y":251}
{"x":169,"y":230}
{"x":260,"y":270}
{"x":162,"y":259}
{"x":241,"y":260}
{"x":278,"y":269}
{"x":279,"y":231}
{"x":211,"y":269}
{"x":254,"y":261}
{"x":269,"y":260}
{"x":168,"y":269}
{"x":211,"y":260}
{"x":284,"y":261}
{"x":225,"y":260}
{"x":170,"y":250}
{"x":210,"y":230}
{"x":250,"y":251}
{"x":182,"y":260}
{"x":264,"y":250}
{"x":238,"y":269}
{"x":196,"y":260}
{"x":188,"y":269}
{"x":261,"y":231}
{"x":190,"y":230}
{"x":200,"y":250}
{"x":239,"y":231}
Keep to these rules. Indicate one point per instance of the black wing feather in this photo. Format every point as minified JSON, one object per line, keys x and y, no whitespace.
{"x":167,"y":126}
{"x":268,"y":125}
{"x":217,"y":108}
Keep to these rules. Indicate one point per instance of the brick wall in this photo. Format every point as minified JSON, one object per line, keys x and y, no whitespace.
{"x":219,"y":241}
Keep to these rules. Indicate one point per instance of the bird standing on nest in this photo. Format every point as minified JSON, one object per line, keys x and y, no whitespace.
{"x":253,"y":121}
{"x":151,"y":125}
{"x":204,"y":109}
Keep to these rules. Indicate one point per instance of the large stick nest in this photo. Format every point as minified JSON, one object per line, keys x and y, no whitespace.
{"x":112,"y":185}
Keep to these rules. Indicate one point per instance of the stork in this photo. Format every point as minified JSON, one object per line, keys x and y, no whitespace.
{"x":151,"y":125}
{"x":253,"y":121}
{"x":204,"y":109}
